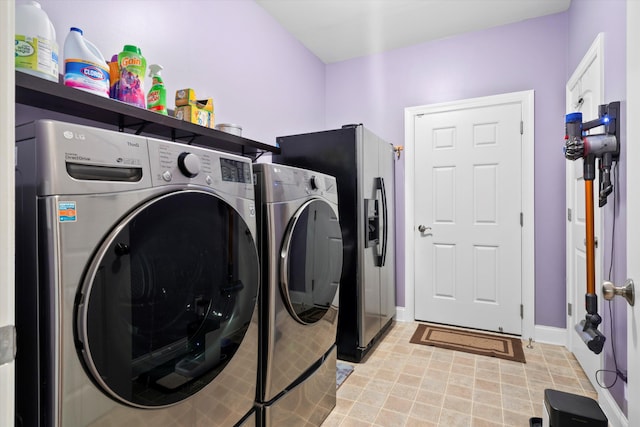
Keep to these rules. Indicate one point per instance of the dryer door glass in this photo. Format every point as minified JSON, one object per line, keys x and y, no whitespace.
{"x":311,"y":262}
{"x":168,"y":299}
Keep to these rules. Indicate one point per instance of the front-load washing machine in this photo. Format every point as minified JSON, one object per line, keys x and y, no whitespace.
{"x":137,"y":281}
{"x":300,"y":243}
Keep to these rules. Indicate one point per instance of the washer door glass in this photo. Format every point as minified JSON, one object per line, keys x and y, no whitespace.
{"x":311,"y":261}
{"x":168,"y":299}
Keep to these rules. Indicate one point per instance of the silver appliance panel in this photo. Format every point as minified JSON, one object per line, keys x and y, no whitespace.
{"x":298,"y":278}
{"x":74,"y":215}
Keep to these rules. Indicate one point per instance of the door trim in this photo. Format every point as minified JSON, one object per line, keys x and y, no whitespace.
{"x":7,"y":207}
{"x":526,"y":99}
{"x":633,"y":209}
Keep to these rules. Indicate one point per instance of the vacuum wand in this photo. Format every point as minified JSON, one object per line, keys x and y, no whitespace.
{"x":588,"y":328}
{"x":605,"y":149}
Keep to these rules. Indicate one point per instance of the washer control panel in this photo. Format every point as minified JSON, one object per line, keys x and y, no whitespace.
{"x":179,"y":164}
{"x":175,"y":163}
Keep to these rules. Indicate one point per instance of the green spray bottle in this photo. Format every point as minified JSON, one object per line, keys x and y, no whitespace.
{"x":157,"y":97}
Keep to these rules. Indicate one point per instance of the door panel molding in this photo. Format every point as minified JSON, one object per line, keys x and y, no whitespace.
{"x":526,"y":99}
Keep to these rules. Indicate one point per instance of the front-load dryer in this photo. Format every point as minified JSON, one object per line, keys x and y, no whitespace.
{"x":300,"y":243}
{"x":137,"y":281}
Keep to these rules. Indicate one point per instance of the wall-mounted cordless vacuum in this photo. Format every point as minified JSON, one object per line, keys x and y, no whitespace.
{"x":605,"y":148}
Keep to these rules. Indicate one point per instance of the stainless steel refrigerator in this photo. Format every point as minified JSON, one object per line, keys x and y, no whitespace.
{"x":363,"y":165}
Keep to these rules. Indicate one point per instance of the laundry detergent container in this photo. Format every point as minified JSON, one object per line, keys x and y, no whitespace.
{"x":571,"y":410}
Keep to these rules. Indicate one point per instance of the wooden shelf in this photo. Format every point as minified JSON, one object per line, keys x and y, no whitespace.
{"x":41,"y":93}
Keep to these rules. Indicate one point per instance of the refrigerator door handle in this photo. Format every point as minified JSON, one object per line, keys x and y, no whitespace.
{"x":382,"y":258}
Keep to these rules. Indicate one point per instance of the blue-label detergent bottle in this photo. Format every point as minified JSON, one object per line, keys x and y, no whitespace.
{"x":84,"y":66}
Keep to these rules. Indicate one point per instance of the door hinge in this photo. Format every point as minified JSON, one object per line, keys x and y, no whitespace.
{"x":569,"y":214}
{"x":521,"y":311}
{"x":521,"y":127}
{"x":521,"y":219}
{"x":7,"y":344}
{"x":595,"y":242}
{"x":569,"y":309}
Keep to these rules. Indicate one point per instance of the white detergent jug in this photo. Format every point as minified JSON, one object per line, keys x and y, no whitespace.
{"x":84,"y":66}
{"x":36,"y":47}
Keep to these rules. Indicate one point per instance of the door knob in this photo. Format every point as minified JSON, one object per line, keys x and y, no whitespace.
{"x":422,"y":228}
{"x":609,"y":290}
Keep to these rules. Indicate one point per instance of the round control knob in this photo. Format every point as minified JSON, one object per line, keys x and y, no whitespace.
{"x":313,"y":183}
{"x":189,"y":164}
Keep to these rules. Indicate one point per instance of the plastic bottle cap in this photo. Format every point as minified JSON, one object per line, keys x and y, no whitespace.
{"x":155,"y":69}
{"x":131,"y":48}
{"x":77,"y":29}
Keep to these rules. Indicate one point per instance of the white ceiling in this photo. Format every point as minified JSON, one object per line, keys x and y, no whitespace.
{"x":336,"y":30}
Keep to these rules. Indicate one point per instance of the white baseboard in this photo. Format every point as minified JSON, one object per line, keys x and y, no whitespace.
{"x":550,"y":335}
{"x":611,"y":409}
{"x":402,"y":315}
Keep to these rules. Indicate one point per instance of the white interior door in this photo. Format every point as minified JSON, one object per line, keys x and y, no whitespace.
{"x":468,"y":204}
{"x":633,"y":209}
{"x":584,"y":94}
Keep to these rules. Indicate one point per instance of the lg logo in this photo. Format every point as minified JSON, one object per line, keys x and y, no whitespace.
{"x":71,"y":135}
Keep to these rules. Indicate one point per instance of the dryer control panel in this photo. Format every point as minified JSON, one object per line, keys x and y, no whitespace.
{"x":291,"y":183}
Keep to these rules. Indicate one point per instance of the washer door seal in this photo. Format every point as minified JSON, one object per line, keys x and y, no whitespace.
{"x":311,"y":261}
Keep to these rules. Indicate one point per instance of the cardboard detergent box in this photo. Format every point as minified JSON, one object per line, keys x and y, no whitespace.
{"x":190,"y":109}
{"x":188,"y":97}
{"x":193,"y":114}
{"x":185,"y":97}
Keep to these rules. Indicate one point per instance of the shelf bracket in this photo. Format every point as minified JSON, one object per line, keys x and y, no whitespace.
{"x":187,"y":139}
{"x":141,"y":128}
{"x":255,"y":155}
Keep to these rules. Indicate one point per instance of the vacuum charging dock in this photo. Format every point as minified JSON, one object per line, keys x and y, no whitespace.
{"x":571,"y":410}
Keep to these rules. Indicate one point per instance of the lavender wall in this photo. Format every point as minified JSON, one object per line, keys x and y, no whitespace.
{"x":528,"y":55}
{"x":263,"y":79}
{"x":587,"y":18}
{"x":258,"y":75}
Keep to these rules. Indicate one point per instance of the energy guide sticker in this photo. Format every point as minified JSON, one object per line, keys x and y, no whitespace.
{"x":67,"y":212}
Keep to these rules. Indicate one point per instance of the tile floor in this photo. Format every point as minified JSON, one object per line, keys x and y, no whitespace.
{"x":404,"y":384}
